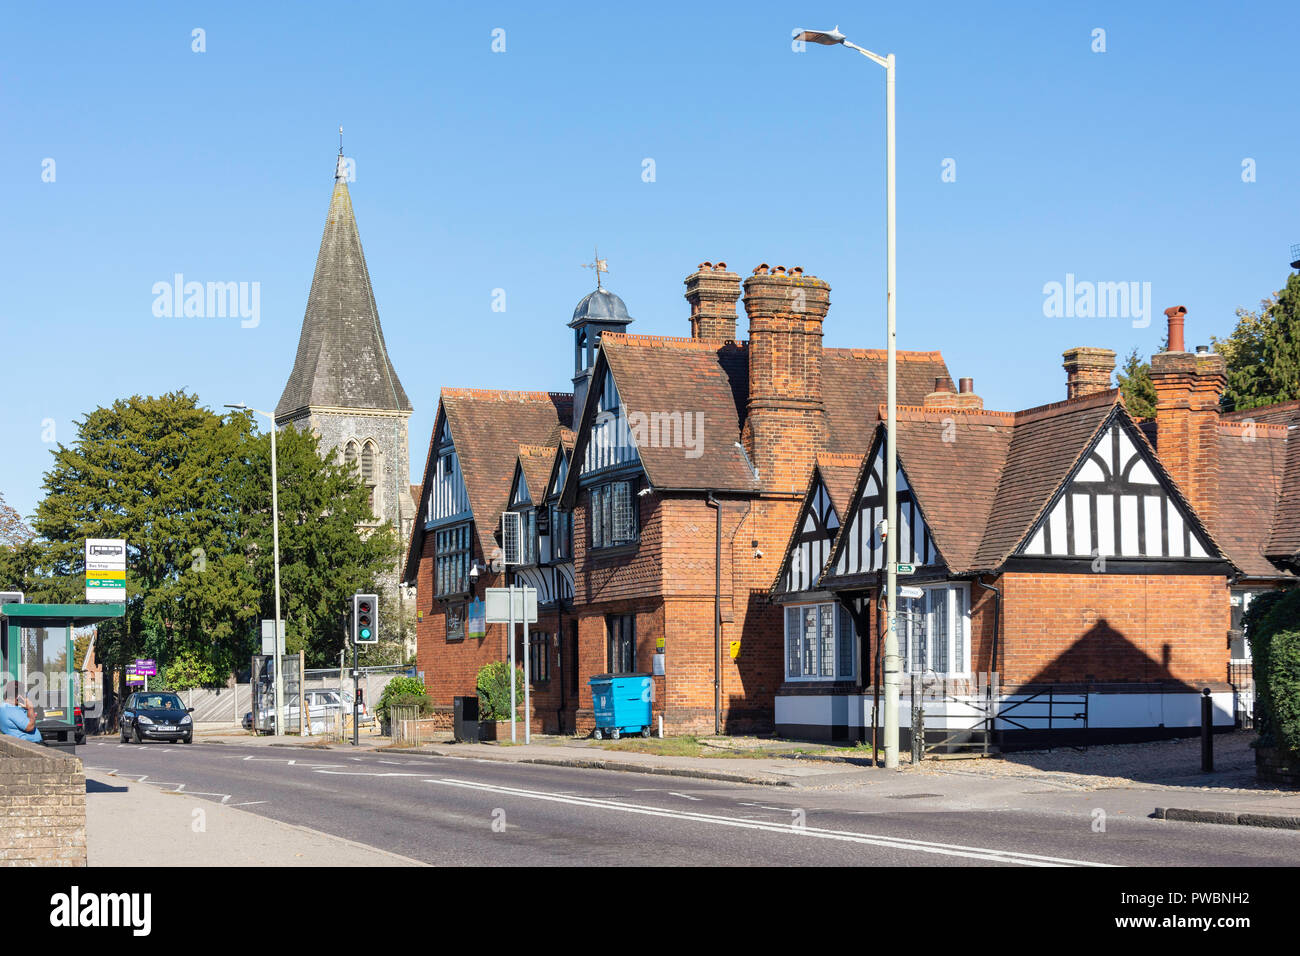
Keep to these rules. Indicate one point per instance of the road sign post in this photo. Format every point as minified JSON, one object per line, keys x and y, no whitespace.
{"x":506,"y":606}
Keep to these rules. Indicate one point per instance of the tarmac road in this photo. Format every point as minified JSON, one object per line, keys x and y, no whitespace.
{"x":454,"y":811}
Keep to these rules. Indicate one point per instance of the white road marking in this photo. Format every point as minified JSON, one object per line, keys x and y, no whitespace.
{"x":684,"y":796}
{"x":368,"y":773}
{"x":250,"y":803}
{"x":847,"y":836}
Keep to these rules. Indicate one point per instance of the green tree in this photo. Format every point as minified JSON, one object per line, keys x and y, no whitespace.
{"x":153,"y":471}
{"x":1263,"y":352}
{"x":323,"y":559}
{"x":13,"y":530}
{"x":1136,"y":387}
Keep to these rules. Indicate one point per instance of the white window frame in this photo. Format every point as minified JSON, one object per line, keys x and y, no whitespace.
{"x":841,"y":617}
{"x":958,"y":630}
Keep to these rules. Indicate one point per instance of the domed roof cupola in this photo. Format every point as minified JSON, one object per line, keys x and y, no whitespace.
{"x":600,"y":306}
{"x":598,"y":312}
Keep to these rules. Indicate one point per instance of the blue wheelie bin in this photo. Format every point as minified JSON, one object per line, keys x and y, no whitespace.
{"x":621,"y":703}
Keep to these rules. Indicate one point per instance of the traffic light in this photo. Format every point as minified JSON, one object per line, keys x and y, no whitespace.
{"x":365,"y":618}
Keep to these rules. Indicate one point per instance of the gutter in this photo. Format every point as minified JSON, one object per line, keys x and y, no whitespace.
{"x":717,"y":613}
{"x":997,"y":622}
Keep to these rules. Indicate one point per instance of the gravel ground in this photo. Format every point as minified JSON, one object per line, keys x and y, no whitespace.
{"x":1166,"y":763}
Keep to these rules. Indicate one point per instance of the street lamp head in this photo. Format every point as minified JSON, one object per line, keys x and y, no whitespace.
{"x":239,"y":405}
{"x":824,"y":37}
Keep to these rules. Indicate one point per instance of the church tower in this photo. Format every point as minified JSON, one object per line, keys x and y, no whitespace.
{"x":343,"y":386}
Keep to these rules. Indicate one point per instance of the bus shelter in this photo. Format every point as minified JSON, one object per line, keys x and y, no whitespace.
{"x":37,"y":660}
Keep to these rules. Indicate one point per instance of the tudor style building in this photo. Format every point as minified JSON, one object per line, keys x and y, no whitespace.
{"x":1054,"y":549}
{"x":656,"y":525}
{"x":343,"y":385}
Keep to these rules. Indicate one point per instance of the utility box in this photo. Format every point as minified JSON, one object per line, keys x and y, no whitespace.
{"x":621,"y":704}
{"x":465,"y":719}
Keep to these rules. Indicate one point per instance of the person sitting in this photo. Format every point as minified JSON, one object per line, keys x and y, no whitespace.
{"x":19,"y":721}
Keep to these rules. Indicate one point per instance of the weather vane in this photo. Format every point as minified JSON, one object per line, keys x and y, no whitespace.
{"x":600,"y":265}
{"x":340,"y":140}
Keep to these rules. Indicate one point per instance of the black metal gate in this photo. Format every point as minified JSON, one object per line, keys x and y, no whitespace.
{"x":1041,"y":719}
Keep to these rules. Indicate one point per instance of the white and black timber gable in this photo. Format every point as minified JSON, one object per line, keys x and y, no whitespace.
{"x":812,"y":542}
{"x":1118,"y":504}
{"x":860,"y":550}
{"x":446,"y":499}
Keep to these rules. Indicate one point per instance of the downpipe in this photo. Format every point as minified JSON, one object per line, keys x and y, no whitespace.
{"x":717,"y":613}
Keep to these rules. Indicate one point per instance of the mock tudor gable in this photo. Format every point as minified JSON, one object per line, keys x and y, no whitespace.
{"x":817,"y":526}
{"x":1119,"y":504}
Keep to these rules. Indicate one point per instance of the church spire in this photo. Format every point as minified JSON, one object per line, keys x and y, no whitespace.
{"x":342,"y":361}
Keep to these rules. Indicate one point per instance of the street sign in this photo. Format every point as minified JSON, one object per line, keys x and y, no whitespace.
{"x":146,"y":667}
{"x":105,"y":570}
{"x":906,"y":568}
{"x":910,"y":592}
{"x":498,"y":605}
{"x":268,"y":637}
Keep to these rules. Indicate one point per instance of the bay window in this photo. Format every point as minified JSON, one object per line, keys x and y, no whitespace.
{"x":820,"y":643}
{"x":934,"y":631}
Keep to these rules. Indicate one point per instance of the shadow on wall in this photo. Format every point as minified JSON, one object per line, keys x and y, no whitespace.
{"x":1103,"y":655}
{"x":751,"y":708}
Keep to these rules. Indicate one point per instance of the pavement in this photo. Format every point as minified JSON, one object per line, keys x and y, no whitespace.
{"x":134,"y":824}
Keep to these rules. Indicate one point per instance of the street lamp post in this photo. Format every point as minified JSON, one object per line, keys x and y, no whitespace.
{"x":275,"y":556}
{"x":892,"y":660}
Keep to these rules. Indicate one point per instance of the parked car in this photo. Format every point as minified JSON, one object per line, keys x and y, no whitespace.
{"x":156,"y":715}
{"x":324,"y":705}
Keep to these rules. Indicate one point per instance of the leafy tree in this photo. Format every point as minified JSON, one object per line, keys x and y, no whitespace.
{"x":13,"y":530}
{"x":323,"y":560}
{"x":1136,"y":387}
{"x":1263,"y":352}
{"x":154,"y":472}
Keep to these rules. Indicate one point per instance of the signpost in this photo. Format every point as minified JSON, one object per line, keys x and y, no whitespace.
{"x":506,"y":606}
{"x":105,"y":570}
{"x":906,"y":568}
{"x":145,"y":667}
{"x":910,"y":592}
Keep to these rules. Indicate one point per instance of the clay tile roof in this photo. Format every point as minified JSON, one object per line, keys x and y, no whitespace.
{"x":1282,"y":413}
{"x":1284,"y":543}
{"x":1045,"y":445}
{"x":839,"y":472}
{"x":1252,"y":459}
{"x":855,"y":379}
{"x":954,"y":460}
{"x":488,"y":427}
{"x":536,"y":462}
{"x":698,"y":385}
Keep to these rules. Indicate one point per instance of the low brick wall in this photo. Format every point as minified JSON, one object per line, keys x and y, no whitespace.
{"x":42,"y":806}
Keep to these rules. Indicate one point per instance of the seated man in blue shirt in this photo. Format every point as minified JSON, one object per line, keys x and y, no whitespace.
{"x":19,"y":721}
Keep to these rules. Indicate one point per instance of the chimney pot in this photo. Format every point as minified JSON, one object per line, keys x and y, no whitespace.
{"x":967,"y":386}
{"x":1176,"y":315}
{"x":1202,"y":350}
{"x":942,"y":384}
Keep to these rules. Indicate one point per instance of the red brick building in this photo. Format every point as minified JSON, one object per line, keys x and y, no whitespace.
{"x":659,"y":536}
{"x":1064,"y":567}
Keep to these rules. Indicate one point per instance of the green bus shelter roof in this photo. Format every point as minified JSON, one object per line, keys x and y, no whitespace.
{"x":60,"y":615}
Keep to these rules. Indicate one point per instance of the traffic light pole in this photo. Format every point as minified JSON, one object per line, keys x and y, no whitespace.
{"x":356,"y":739}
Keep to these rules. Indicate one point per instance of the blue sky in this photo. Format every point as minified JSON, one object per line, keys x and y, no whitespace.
{"x":479,"y":170}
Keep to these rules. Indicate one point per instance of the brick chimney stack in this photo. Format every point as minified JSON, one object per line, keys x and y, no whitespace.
{"x":786,"y":424}
{"x":1188,"y":387}
{"x":1087,"y":370}
{"x":712,"y":292}
{"x":944,"y":397}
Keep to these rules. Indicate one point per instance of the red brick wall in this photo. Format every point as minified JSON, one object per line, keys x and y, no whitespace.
{"x":1188,"y":387}
{"x":1112,"y":628}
